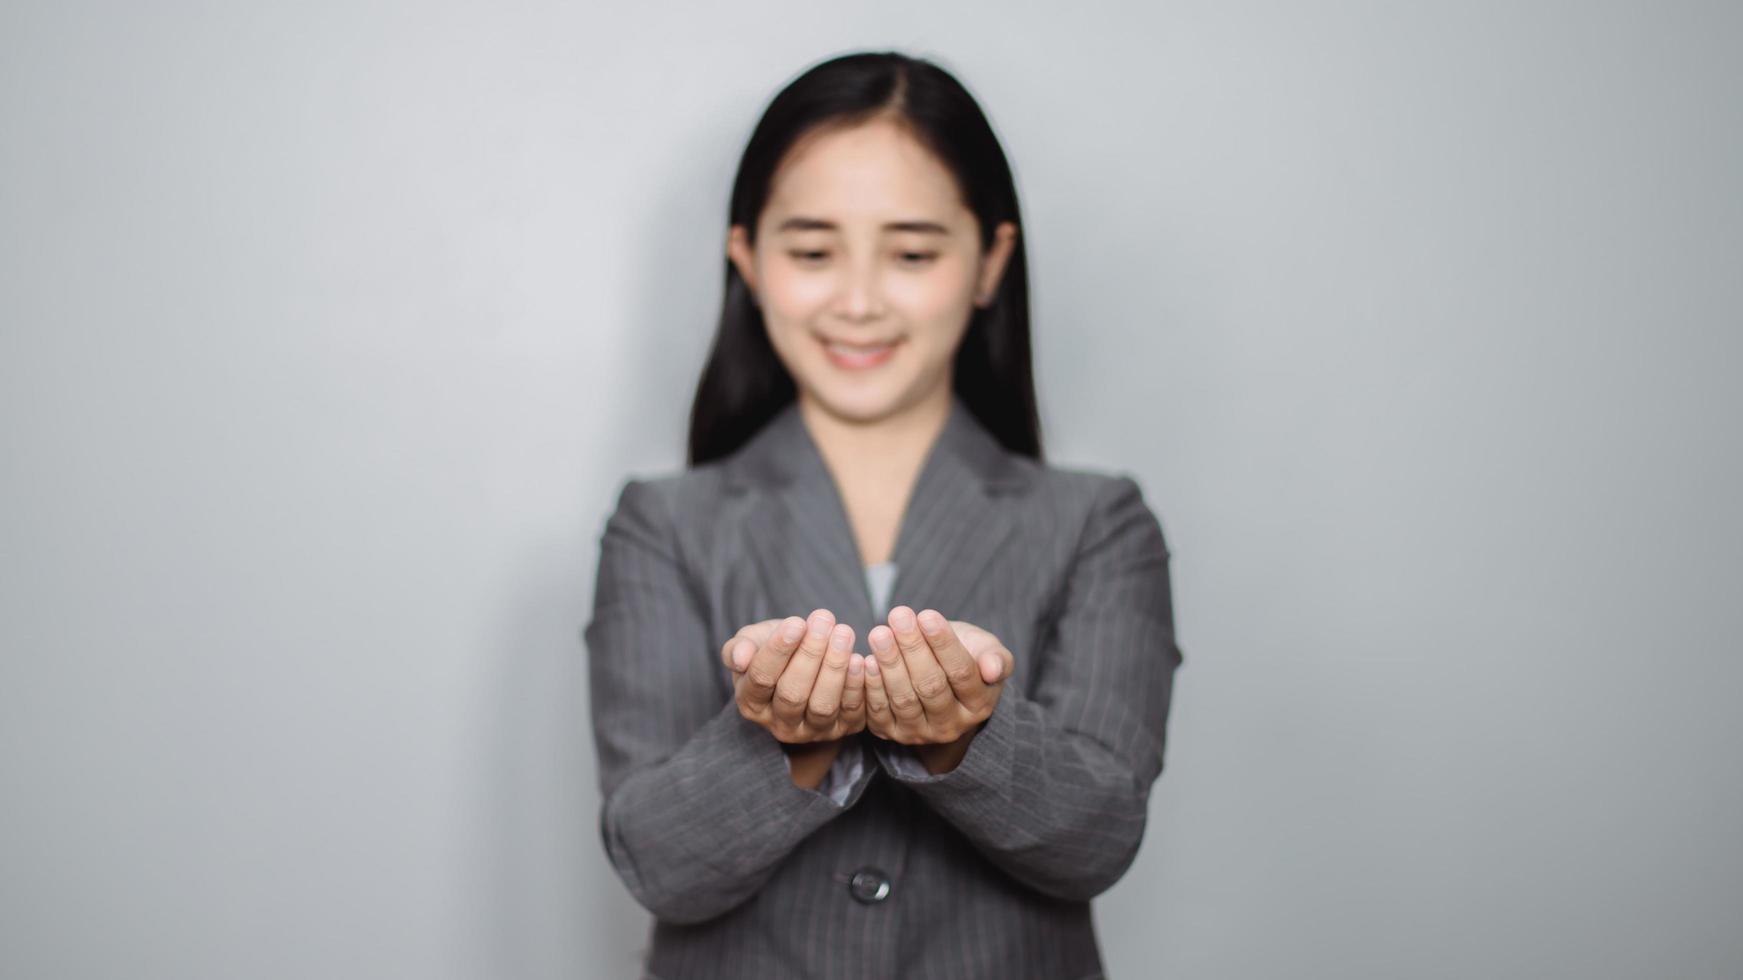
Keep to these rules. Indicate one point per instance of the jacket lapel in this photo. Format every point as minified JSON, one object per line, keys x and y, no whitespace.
{"x":957,"y":520}
{"x":799,"y":531}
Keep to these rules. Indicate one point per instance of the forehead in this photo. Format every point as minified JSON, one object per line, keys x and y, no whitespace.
{"x":869,"y":172}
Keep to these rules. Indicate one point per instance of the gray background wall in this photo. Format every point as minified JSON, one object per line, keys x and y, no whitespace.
{"x":330,"y":330}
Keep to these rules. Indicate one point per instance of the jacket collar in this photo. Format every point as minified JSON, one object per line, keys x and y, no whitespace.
{"x":783,"y":453}
{"x":954,"y":524}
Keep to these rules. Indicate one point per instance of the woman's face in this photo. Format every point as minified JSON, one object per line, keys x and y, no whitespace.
{"x":867,"y":267}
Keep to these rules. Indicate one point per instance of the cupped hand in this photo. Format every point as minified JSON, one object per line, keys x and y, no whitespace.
{"x":799,"y":678}
{"x":932,"y":681}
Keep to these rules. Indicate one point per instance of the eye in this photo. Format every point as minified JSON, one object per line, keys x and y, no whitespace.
{"x":807,"y":256}
{"x":918,"y":258}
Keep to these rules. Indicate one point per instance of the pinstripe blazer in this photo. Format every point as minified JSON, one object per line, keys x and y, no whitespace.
{"x":984,"y":871}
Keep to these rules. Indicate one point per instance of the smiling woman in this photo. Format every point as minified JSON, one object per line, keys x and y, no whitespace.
{"x":868,"y":257}
{"x":945,"y":798}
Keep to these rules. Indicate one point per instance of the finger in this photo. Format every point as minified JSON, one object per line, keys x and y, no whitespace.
{"x":793,"y":690}
{"x":768,"y":663}
{"x":930,"y":685}
{"x":735,"y":654}
{"x":727,"y":650}
{"x":853,"y":693}
{"x":995,"y":666}
{"x":825,"y":705}
{"x":757,"y":633}
{"x":994,"y":658}
{"x":893,"y":671}
{"x":959,"y":666}
{"x":877,"y":701}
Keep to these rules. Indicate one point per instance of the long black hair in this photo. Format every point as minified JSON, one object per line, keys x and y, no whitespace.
{"x":744,"y":383}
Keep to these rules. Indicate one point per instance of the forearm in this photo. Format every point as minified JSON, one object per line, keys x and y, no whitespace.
{"x":1053,"y":808}
{"x":699,"y":833}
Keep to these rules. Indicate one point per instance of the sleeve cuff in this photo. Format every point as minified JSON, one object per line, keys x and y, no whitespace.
{"x":845,"y":772}
{"x":759,"y":774}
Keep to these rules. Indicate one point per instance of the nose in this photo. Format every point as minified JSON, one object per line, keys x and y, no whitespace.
{"x":859,"y":299}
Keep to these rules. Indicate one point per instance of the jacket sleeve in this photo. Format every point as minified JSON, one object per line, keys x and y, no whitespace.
{"x":699,"y":805}
{"x":1055,"y":786}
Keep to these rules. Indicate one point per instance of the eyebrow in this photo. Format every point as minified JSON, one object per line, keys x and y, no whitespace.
{"x":822,"y":224}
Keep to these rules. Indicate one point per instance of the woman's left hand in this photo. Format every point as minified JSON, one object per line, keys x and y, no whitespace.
{"x":932,"y":681}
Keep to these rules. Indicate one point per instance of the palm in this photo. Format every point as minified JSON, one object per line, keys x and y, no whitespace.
{"x":798,"y":689}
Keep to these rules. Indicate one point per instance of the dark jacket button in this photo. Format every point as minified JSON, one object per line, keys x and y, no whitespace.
{"x":869,"y":885}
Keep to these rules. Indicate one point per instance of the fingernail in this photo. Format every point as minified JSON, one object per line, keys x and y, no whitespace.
{"x":856,"y":665}
{"x":794,"y":629}
{"x":880,"y":641}
{"x":932,"y":622}
{"x":742,"y":653}
{"x":902,"y":618}
{"x":871,"y":667}
{"x":840,"y":639}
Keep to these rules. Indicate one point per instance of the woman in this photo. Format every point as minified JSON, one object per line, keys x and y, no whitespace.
{"x":944,"y":799}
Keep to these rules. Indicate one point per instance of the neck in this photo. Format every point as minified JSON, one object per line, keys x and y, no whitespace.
{"x":887,"y":450}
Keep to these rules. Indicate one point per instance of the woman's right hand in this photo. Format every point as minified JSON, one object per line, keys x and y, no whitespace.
{"x":798,"y":678}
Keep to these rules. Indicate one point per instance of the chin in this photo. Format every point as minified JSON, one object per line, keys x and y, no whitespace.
{"x":861,"y":404}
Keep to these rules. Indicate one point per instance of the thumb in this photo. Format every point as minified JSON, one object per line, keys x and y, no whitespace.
{"x":992,"y":667}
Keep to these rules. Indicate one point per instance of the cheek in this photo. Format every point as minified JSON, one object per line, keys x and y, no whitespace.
{"x":928,"y":301}
{"x":936,"y":308}
{"x":792,"y":344}
{"x":942,"y":292}
{"x":793,"y":294}
{"x":790,"y":303}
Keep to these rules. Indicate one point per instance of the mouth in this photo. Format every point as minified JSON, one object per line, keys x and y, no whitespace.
{"x":858,"y":357}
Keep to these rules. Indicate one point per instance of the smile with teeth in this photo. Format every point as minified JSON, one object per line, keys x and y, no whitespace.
{"x":858,"y":356}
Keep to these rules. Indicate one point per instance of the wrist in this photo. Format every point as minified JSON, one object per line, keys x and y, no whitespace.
{"x":809,"y":762}
{"x":945,"y":756}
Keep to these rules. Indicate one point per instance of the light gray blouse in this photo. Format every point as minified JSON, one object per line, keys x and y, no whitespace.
{"x":878,"y":579}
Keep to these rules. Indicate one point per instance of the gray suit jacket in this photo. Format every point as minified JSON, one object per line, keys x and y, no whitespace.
{"x":984,"y":871}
